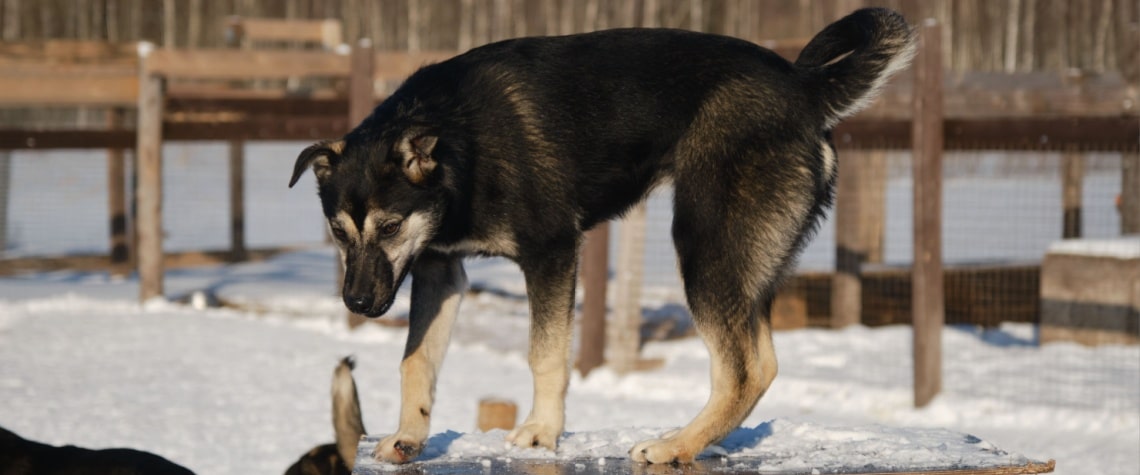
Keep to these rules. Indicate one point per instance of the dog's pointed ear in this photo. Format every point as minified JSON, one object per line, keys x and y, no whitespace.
{"x":320,"y":156}
{"x":415,"y":149}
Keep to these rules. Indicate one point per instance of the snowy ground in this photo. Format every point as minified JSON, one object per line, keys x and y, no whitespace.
{"x":246,"y":392}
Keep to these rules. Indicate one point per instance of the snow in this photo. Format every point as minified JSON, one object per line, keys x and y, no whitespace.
{"x":228,"y":390}
{"x":245,"y":389}
{"x":1127,"y":247}
{"x":782,"y":445}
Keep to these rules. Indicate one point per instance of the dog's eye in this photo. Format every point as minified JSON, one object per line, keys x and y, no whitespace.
{"x":339,"y":234}
{"x":389,"y":228}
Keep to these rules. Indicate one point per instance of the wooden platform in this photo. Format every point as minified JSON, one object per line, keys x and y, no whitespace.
{"x":780,"y":446}
{"x":617,"y":466}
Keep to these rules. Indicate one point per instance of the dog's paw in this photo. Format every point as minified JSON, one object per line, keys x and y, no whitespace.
{"x":534,"y":434}
{"x":665,"y":450}
{"x":397,"y":448}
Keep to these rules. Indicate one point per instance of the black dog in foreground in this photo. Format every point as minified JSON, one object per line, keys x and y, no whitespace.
{"x":337,"y":458}
{"x":516,"y":148}
{"x":19,"y":456}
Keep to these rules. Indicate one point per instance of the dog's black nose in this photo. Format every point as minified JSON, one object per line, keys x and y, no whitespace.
{"x":358,"y":303}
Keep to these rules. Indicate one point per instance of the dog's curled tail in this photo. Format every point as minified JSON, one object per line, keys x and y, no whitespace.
{"x":851,"y":59}
{"x":347,"y":422}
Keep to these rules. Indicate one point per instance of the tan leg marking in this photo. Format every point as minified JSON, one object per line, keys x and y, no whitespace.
{"x":728,"y":405}
{"x":428,"y":335}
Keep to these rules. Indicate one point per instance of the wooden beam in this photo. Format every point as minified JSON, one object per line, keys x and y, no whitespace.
{"x":623,"y":333}
{"x":5,"y":197}
{"x":981,"y":95}
{"x":846,"y":287}
{"x":1089,"y":133}
{"x":41,"y":67}
{"x":397,"y":65}
{"x":928,"y":305}
{"x":257,"y":128}
{"x":149,"y":153}
{"x":1072,"y":178}
{"x":172,"y":260}
{"x":237,"y":198}
{"x":1130,"y":193}
{"x":120,"y":252}
{"x":360,"y":90}
{"x":245,"y":64}
{"x":220,"y":101}
{"x":71,"y":91}
{"x":595,"y":277}
{"x":324,"y":32}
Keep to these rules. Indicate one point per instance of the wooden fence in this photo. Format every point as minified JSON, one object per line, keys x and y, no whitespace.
{"x":927,"y":111}
{"x":958,"y":111}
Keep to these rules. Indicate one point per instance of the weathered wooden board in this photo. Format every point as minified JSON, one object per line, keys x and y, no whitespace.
{"x":776,"y":447}
{"x":620,"y":466}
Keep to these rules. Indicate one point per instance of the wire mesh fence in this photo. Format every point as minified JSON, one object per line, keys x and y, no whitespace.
{"x":56,"y":201}
{"x":1002,"y":211}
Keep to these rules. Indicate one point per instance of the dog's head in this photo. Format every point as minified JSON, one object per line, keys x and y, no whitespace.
{"x":380,"y":193}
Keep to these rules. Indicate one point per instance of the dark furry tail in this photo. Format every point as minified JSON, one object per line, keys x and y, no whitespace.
{"x":852,"y":58}
{"x":347,"y":423}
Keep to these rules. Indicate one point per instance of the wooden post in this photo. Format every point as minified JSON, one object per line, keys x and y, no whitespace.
{"x":497,"y":413}
{"x":873,"y":203}
{"x":360,"y":96}
{"x":149,"y":153}
{"x":5,"y":184}
{"x":1130,"y":193}
{"x":117,"y":200}
{"x":237,"y":200}
{"x":1072,"y":175}
{"x":846,"y":285}
{"x":235,"y":38}
{"x":859,"y":227}
{"x":360,"y":104}
{"x":623,"y":334}
{"x":595,"y":276}
{"x":928,"y":305}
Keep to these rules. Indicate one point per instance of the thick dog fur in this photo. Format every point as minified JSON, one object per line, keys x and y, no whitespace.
{"x":517,"y":147}
{"x":337,"y":458}
{"x":19,"y":456}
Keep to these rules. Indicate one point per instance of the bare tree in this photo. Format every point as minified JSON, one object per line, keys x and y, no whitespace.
{"x":466,"y":37}
{"x":1030,"y":24}
{"x":1012,"y":31}
{"x":168,"y":24}
{"x":12,"y":19}
{"x":1100,"y":47}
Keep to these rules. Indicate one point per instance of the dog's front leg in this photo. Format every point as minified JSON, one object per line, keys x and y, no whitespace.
{"x":438,"y":284}
{"x":550,"y":288}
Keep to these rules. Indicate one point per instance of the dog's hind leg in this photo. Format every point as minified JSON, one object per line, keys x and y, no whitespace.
{"x":743,"y":367}
{"x":736,"y":225}
{"x":550,"y":288}
{"x":438,"y":284}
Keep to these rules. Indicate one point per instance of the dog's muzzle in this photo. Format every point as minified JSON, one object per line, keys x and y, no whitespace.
{"x":366,"y":304}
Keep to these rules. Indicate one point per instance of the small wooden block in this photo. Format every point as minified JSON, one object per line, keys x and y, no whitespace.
{"x":495,"y":413}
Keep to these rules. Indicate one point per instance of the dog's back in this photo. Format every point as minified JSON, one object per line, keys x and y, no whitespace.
{"x":19,"y":456}
{"x":517,"y":147}
{"x":337,"y":458}
{"x":649,"y":92}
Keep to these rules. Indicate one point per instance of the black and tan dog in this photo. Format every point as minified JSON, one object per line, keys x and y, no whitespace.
{"x":337,"y":458}
{"x":19,"y":456}
{"x":516,"y":148}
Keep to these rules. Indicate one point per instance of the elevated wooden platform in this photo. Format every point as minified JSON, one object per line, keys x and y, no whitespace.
{"x":618,"y":466}
{"x":780,"y":446}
